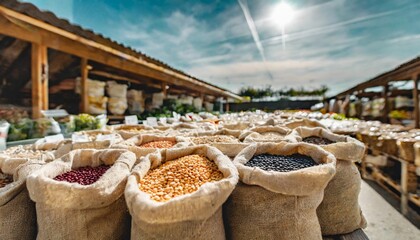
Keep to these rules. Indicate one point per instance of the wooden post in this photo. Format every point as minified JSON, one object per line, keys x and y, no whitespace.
{"x":386,"y":106}
{"x":164,"y":89}
{"x":416,"y":100}
{"x":84,"y":71}
{"x":39,"y":78}
{"x":227,"y":105}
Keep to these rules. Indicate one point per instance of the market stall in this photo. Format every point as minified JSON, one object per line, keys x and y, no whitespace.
{"x":177,"y":170}
{"x":392,"y":95}
{"x":53,"y":53}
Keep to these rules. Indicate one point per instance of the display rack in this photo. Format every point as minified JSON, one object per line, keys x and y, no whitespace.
{"x":404,"y":188}
{"x":409,"y":71}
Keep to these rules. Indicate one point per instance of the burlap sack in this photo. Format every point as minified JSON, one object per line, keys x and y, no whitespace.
{"x":94,"y":144}
{"x":406,"y":148}
{"x":73,"y":211}
{"x":303,"y":123}
{"x":18,"y":155}
{"x":277,"y":205}
{"x":417,"y":154}
{"x":236,"y":126}
{"x":129,"y":131}
{"x":265,"y":134}
{"x":17,"y":211}
{"x":133,"y":144}
{"x":192,"y":216}
{"x":232,"y":148}
{"x":339,"y":212}
{"x":41,"y":144}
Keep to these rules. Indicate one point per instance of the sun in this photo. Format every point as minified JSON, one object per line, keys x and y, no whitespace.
{"x":283,"y":14}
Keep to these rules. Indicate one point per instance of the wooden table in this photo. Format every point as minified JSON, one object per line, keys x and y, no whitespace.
{"x":356,"y":235}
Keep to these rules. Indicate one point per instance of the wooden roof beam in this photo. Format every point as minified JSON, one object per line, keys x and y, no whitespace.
{"x":24,"y":27}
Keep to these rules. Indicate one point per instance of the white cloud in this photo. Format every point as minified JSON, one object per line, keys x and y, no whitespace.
{"x":321,"y":48}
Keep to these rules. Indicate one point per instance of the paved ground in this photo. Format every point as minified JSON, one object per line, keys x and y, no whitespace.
{"x":384,"y":222}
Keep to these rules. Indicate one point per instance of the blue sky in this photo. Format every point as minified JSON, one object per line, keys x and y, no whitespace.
{"x":337,"y":43}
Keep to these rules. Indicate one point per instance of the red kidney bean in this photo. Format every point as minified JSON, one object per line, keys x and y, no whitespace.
{"x":84,"y":175}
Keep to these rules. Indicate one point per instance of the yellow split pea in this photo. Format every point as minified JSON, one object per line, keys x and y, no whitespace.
{"x":178,"y":177}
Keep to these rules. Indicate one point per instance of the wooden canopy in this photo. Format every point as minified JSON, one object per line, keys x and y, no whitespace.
{"x":409,"y":71}
{"x":38,"y":46}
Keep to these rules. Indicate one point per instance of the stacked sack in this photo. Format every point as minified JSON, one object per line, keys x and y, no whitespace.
{"x":339,"y":212}
{"x":117,"y":97}
{"x":96,"y":97}
{"x":135,"y":101}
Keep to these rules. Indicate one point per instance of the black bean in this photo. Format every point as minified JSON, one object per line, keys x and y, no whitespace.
{"x":281,"y":163}
{"x":317,"y":140}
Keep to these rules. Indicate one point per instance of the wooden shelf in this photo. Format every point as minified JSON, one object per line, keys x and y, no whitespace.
{"x":356,"y":235}
{"x":414,"y":198}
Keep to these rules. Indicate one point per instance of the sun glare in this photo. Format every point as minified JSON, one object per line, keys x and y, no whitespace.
{"x":283,"y":14}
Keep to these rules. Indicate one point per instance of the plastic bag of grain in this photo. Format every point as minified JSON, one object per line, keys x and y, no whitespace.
{"x":17,"y":211}
{"x":135,"y":101}
{"x":304,"y":123}
{"x":144,"y":144}
{"x":74,"y":211}
{"x":265,"y":134}
{"x":278,"y":205}
{"x":116,"y":90}
{"x":194,"y":215}
{"x":209,"y":106}
{"x":157,"y":99}
{"x":339,"y":212}
{"x":117,"y":106}
{"x":198,"y":103}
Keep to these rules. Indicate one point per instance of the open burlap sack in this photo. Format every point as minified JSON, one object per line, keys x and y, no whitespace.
{"x":265,"y":134}
{"x":17,"y":211}
{"x":73,"y":211}
{"x":134,"y":144}
{"x":41,"y":144}
{"x":339,"y":212}
{"x":303,"y":123}
{"x":129,"y":131}
{"x":278,"y":205}
{"x":192,"y":216}
{"x":242,"y":125}
{"x":15,"y":156}
{"x":92,"y":144}
{"x":226,"y":140}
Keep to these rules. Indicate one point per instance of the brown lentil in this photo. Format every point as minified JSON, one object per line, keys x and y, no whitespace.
{"x":214,"y":139}
{"x":158,"y":144}
{"x":317,"y":140}
{"x":179,"y":177}
{"x":5,"y":179}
